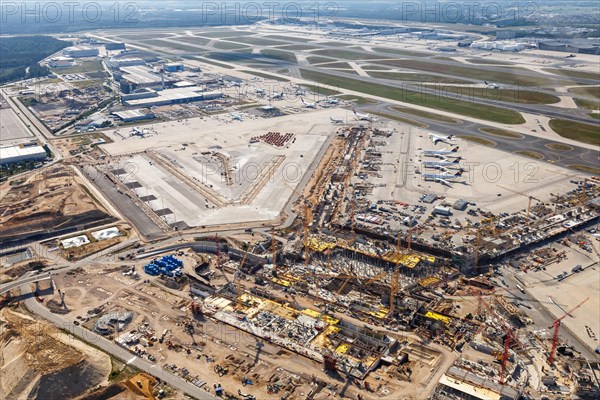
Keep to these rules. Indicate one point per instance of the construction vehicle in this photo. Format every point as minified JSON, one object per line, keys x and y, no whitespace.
{"x":556,"y":326}
{"x":221,"y":370}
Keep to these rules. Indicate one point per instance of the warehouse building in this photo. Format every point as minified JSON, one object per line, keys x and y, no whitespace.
{"x":579,"y":46}
{"x":172,"y":96}
{"x":174,"y":67}
{"x":80,"y":51}
{"x":134,"y":115}
{"x":15,"y":154}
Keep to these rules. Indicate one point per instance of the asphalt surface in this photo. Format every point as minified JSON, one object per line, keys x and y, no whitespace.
{"x":542,"y":318}
{"x":578,"y":155}
{"x":23,"y":281}
{"x":541,"y":109}
{"x":124,"y":204}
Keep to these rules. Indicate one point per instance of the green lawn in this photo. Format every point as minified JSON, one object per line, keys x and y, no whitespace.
{"x":522,"y":96}
{"x":401,"y":52}
{"x":508,"y":76}
{"x":280,"y":55}
{"x":588,"y":104}
{"x":585,"y":133}
{"x":591,"y":91}
{"x":266,"y":76}
{"x":407,"y":76}
{"x":82,"y":67}
{"x":173,"y":46}
{"x":426,"y":114}
{"x":255,"y":40}
{"x":317,"y":60}
{"x":475,"y":110}
{"x":223,"y":45}
{"x":398,"y":118}
{"x":321,"y":90}
{"x":574,"y":74}
{"x":289,"y":38}
{"x":346,"y":54}
{"x":193,"y":40}
{"x":486,"y":61}
{"x":502,"y":133}
{"x":296,"y":47}
{"x":357,"y":99}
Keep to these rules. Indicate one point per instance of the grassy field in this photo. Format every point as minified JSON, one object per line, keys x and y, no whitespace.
{"x":475,"y":110}
{"x":357,"y":99}
{"x":193,"y":40}
{"x":375,"y":67}
{"x":502,"y":133}
{"x":507,"y":76}
{"x":426,"y":114}
{"x":406,"y":76}
{"x":289,"y":38}
{"x":81,"y":68}
{"x":485,"y":61}
{"x":398,"y":118}
{"x":573,"y":74}
{"x":401,"y":52}
{"x":346,"y":54}
{"x":478,"y":140}
{"x":585,"y":168}
{"x":297,"y":47}
{"x":266,"y":76}
{"x":559,"y":146}
{"x":591,"y":91}
{"x":594,"y":115}
{"x":255,"y":40}
{"x":221,"y":34}
{"x":588,"y":104}
{"x":142,"y":36}
{"x":318,"y":60}
{"x":530,"y":154}
{"x":223,"y":45}
{"x":340,"y":64}
{"x":173,"y":46}
{"x":280,"y":55}
{"x":577,"y":131}
{"x":521,"y":96}
{"x":212,"y":62}
{"x":321,"y":90}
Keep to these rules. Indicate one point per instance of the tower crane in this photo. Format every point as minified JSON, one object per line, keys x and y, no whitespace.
{"x":528,"y":216}
{"x":508,"y":338}
{"x":556,"y":326}
{"x":237,"y":278}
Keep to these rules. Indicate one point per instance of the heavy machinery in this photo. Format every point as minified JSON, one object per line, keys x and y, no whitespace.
{"x":556,"y":326}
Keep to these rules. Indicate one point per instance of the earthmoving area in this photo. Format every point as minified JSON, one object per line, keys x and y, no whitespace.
{"x":53,"y":200}
{"x":38,"y":358}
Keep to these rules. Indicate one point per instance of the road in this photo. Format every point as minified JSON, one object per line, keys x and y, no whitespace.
{"x":113,"y":349}
{"x":542,"y":318}
{"x":6,"y":287}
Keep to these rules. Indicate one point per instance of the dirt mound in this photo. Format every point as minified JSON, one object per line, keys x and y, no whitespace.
{"x":40,"y":362}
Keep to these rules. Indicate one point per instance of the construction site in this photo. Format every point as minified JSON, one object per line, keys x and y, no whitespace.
{"x":211,"y":230}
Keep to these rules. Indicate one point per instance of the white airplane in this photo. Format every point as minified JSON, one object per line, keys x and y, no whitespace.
{"x":442,"y":164}
{"x":277,"y":96}
{"x":236,"y":117}
{"x":364,"y":117}
{"x":137,"y":131}
{"x":309,"y":105}
{"x":440,"y":153}
{"x":445,"y":179}
{"x":332,"y":100}
{"x":492,"y":85}
{"x":336,"y":121}
{"x":440,"y":138}
{"x":260,"y":91}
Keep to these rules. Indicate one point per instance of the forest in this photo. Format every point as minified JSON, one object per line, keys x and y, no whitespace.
{"x":19,"y":56}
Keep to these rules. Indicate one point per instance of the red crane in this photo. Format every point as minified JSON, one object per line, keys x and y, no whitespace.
{"x":510,"y":335}
{"x":556,"y":326}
